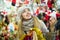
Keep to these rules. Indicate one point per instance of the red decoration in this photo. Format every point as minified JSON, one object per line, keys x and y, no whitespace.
{"x":49,"y":4}
{"x":57,"y":15}
{"x":14,"y":1}
{"x":37,"y":12}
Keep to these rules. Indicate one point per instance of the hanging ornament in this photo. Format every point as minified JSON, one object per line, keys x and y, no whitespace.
{"x":13,"y":2}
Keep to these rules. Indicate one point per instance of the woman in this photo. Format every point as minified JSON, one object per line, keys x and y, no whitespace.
{"x":30,"y":26}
